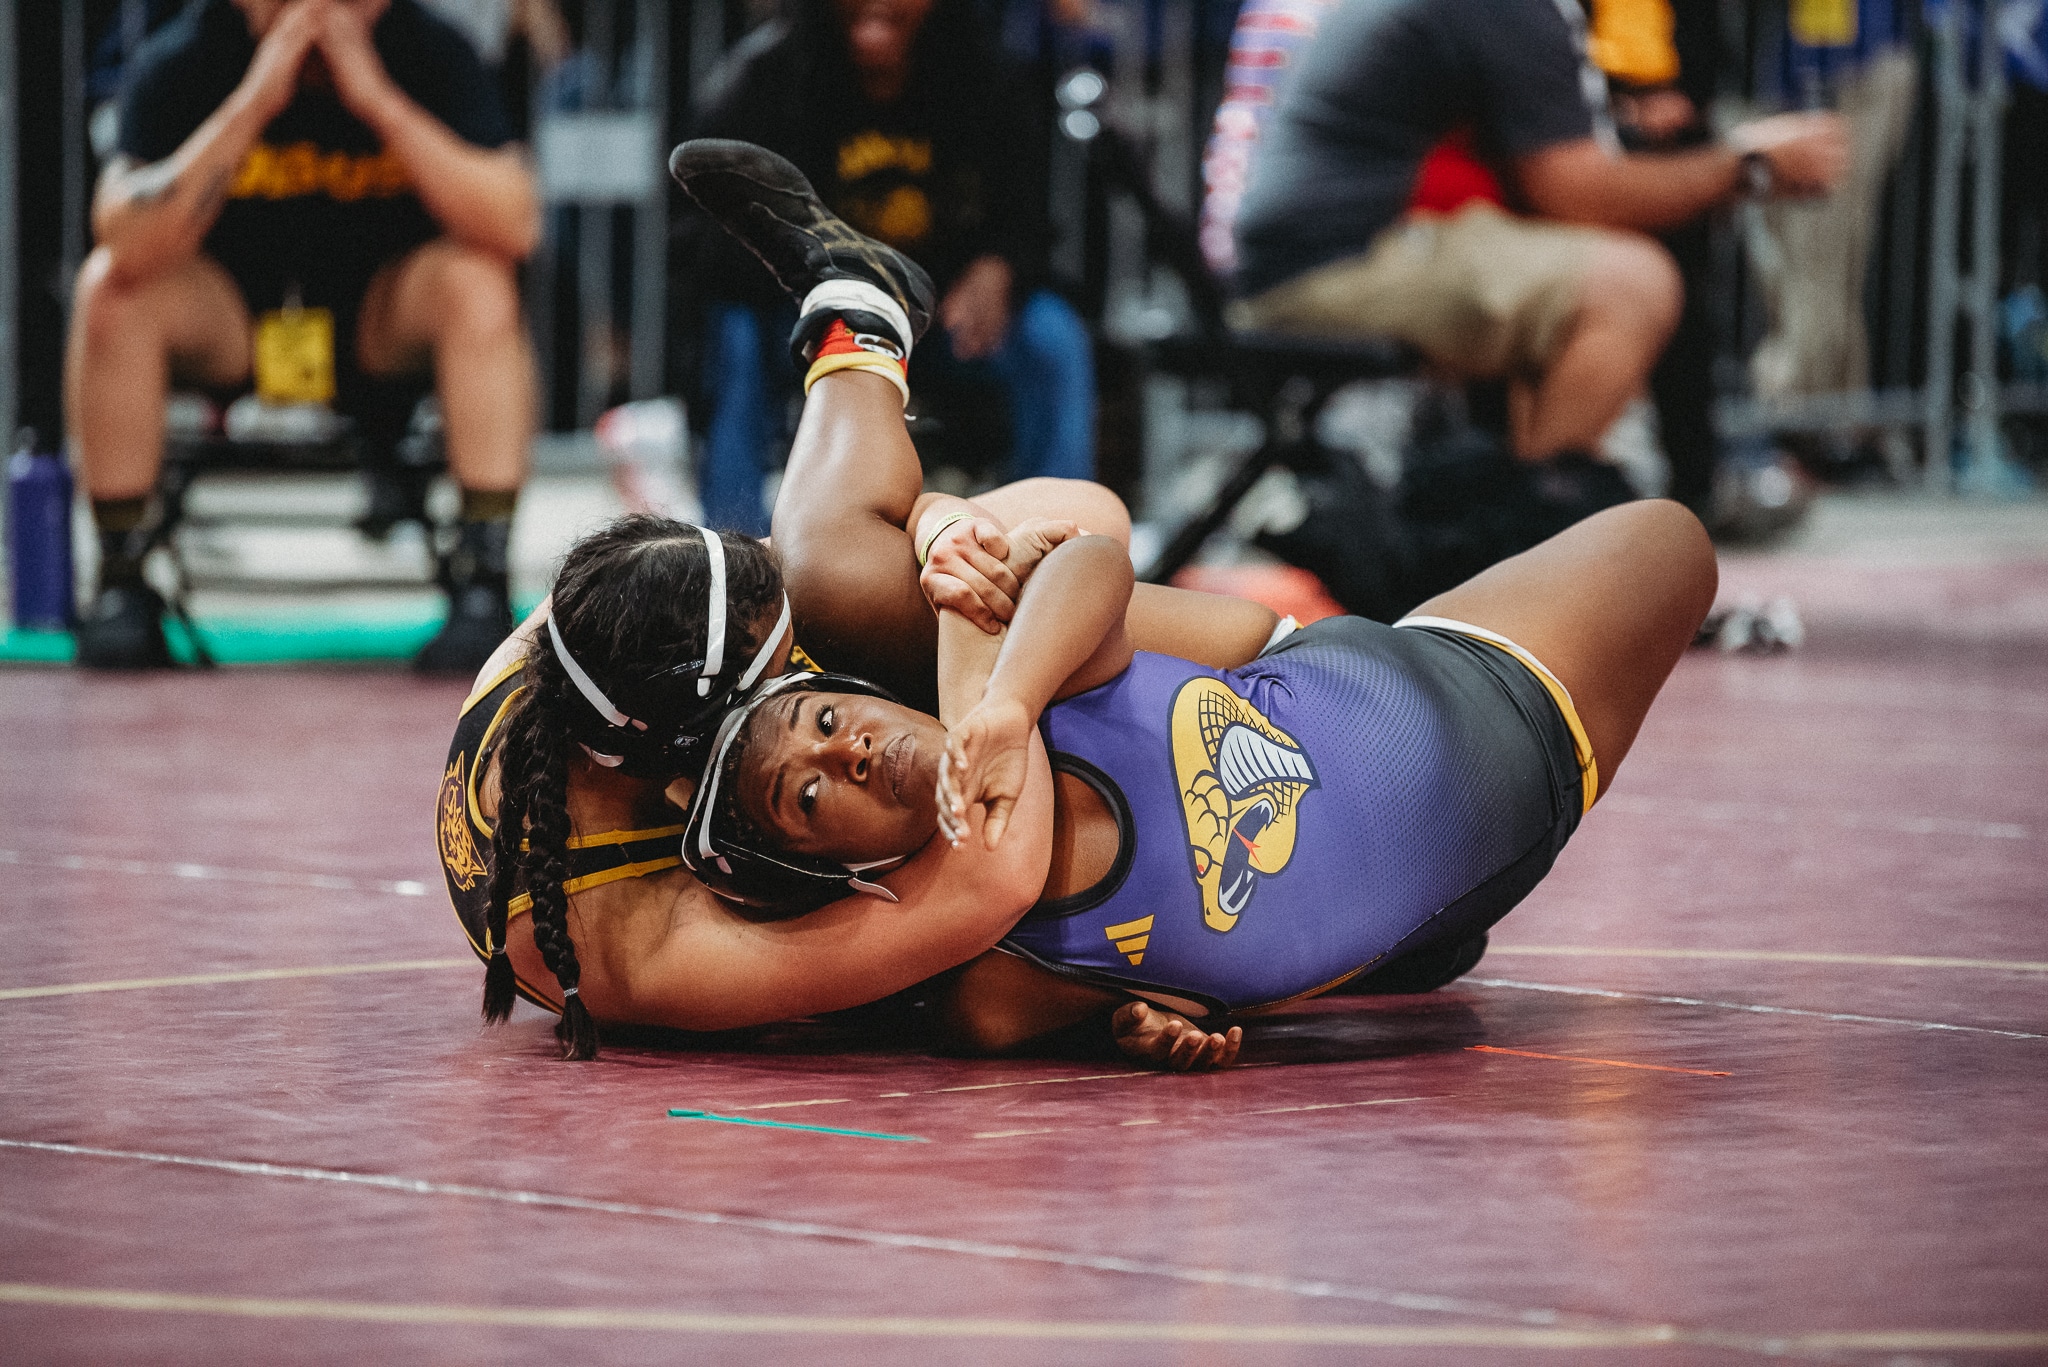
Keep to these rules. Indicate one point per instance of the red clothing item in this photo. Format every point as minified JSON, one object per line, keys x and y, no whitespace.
{"x":1452,"y":176}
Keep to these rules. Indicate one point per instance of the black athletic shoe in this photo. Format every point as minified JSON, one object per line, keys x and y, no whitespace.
{"x":766,"y":203}
{"x":124,"y":630}
{"x":479,"y":618}
{"x":1424,"y":970}
{"x":477,"y":579}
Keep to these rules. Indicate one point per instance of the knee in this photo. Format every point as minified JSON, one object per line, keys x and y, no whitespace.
{"x":1634,"y":281}
{"x":1674,"y":544}
{"x":103,"y":307}
{"x":1092,"y":506}
{"x":476,"y":295}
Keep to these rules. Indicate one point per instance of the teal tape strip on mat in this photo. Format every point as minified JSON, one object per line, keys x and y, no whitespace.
{"x":677,"y":1113}
{"x":302,"y":637}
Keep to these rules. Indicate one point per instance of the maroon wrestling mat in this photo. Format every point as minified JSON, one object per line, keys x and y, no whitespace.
{"x":1757,"y":1074}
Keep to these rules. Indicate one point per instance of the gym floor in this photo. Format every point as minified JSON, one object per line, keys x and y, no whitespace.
{"x":1757,"y":1073}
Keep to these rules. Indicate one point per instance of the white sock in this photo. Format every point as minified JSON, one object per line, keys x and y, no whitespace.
{"x":839,"y":295}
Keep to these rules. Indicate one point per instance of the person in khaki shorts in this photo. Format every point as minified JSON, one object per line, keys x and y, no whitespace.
{"x":1566,"y":297}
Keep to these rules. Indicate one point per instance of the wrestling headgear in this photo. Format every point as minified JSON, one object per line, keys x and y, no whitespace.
{"x":672,"y":710}
{"x":735,"y":860}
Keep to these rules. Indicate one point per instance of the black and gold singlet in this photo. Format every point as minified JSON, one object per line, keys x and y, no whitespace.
{"x":464,"y":835}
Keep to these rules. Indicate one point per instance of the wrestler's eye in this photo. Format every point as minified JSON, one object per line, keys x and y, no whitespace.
{"x":807,"y":797}
{"x":826,"y":718}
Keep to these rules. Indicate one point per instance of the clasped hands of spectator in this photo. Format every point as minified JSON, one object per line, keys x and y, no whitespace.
{"x":336,"y":35}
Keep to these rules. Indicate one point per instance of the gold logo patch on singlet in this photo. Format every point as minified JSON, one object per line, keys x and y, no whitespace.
{"x":458,"y":846}
{"x":1241,"y":783}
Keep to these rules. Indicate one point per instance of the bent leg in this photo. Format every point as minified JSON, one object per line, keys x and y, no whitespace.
{"x":125,"y":338}
{"x":1630,"y":297}
{"x":1608,"y":605}
{"x":853,"y":487}
{"x":458,"y":309}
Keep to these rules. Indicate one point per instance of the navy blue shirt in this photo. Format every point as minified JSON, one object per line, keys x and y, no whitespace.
{"x":1382,"y":83}
{"x":318,"y":198}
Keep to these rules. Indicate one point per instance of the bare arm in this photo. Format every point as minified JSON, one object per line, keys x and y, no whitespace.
{"x":1000,"y":1004}
{"x":1579,"y":182}
{"x":481,"y":197}
{"x":719,"y":971}
{"x":1068,"y":636}
{"x":151,"y":216}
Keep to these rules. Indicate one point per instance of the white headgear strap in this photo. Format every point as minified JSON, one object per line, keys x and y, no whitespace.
{"x":592,"y":694}
{"x":714,"y":631}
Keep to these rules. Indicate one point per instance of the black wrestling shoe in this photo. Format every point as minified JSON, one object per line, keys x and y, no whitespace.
{"x":479,"y":601}
{"x":766,"y":203}
{"x":1425,"y":970}
{"x":479,"y":618}
{"x":124,"y":630}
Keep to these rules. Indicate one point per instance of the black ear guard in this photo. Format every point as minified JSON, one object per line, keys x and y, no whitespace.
{"x":737,"y":862}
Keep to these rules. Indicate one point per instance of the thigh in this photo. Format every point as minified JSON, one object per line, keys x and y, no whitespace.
{"x":205,"y":322}
{"x":1608,"y":605}
{"x":1514,"y":285}
{"x":411,"y":301}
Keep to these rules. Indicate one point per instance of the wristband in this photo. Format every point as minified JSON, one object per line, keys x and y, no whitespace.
{"x":924,"y":551}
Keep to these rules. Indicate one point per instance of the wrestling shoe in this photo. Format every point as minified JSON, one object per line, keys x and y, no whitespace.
{"x":124,"y":630}
{"x":765,"y":202}
{"x":479,"y":601}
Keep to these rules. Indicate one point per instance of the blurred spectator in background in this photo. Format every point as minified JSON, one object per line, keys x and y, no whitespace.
{"x":902,"y":118}
{"x":1374,"y":204}
{"x":324,"y":188}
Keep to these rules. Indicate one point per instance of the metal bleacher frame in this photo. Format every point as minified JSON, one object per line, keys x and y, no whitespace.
{"x":1283,"y":380}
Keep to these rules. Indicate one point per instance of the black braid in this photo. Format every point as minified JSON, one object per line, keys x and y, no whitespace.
{"x":629,"y":602}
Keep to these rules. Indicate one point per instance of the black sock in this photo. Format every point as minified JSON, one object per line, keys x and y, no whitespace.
{"x":119,"y":522}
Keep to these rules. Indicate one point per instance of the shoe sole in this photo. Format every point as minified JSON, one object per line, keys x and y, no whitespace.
{"x":831,"y":249}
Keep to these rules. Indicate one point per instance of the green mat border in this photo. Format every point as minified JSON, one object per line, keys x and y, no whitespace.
{"x":300,"y":636}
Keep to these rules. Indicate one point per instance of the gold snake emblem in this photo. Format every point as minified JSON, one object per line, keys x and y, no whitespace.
{"x":1241,"y":784}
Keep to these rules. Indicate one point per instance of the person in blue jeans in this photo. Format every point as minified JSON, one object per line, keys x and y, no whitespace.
{"x":901,"y":115}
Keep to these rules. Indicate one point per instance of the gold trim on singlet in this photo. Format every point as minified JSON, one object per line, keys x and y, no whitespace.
{"x":483,"y":750}
{"x":523,"y":903}
{"x":483,"y":689}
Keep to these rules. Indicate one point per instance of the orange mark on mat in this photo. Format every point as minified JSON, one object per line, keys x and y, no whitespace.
{"x":1608,"y":1062}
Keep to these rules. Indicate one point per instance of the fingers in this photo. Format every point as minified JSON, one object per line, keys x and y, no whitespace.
{"x":947,"y":592}
{"x":998,"y":821}
{"x":994,"y":540}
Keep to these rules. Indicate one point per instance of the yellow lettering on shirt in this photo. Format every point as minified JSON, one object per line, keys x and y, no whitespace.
{"x":863,"y":154}
{"x":302,"y":169}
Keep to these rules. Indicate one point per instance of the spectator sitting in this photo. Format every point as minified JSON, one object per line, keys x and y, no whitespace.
{"x":329,"y":178}
{"x":898,"y":113}
{"x":1571,"y":303}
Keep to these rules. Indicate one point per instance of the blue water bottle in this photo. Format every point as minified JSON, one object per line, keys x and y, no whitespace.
{"x":39,"y":536}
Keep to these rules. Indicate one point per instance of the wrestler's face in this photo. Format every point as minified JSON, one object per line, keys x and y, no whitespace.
{"x":843,"y":775}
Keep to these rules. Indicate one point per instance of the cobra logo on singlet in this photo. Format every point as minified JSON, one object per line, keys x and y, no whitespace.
{"x":458,"y":846}
{"x":1242,"y":780}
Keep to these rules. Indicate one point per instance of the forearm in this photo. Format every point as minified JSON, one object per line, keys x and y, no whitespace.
{"x":967,"y":658}
{"x":153,"y":216}
{"x":483,"y":198}
{"x":1071,"y":612}
{"x":1644,"y":191}
{"x":999,"y":1002}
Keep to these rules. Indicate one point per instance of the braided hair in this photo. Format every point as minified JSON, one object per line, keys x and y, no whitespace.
{"x":630,"y":606}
